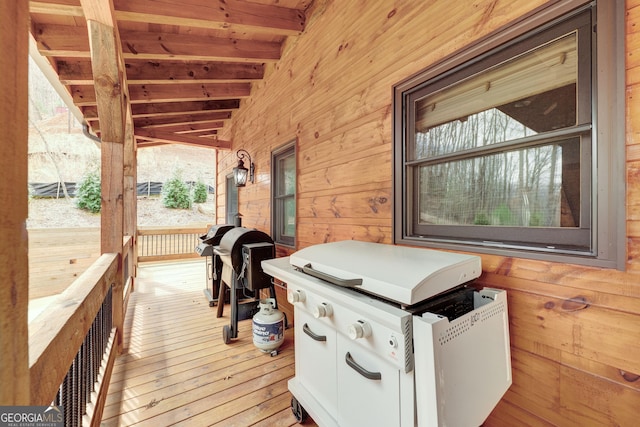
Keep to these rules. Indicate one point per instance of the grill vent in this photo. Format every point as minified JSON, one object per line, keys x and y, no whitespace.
{"x":481,"y":314}
{"x":494,"y":310}
{"x":408,"y":349}
{"x":454,"y":331}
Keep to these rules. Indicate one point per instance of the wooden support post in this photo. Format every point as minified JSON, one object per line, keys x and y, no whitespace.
{"x":14,"y":277}
{"x":110,"y":103}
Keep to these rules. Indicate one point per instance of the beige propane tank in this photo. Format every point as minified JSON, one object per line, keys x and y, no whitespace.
{"x":268,"y":326}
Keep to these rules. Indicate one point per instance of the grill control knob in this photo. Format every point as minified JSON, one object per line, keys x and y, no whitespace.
{"x":393,"y":342}
{"x":294,"y":296}
{"x":360,"y":329}
{"x":322,"y":310}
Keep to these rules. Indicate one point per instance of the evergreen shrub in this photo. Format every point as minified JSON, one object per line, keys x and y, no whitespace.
{"x":175,"y":193}
{"x":88,"y":195}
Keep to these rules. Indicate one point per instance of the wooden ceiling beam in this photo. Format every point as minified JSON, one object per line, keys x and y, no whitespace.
{"x":229,"y":14}
{"x":67,"y":8}
{"x":188,"y":92}
{"x":144,"y":45}
{"x":191,"y":107}
{"x":172,"y":138}
{"x":183,"y":119}
{"x":188,"y":127}
{"x":183,"y":127}
{"x":167,"y":110}
{"x":85,"y":95}
{"x":78,"y":72}
{"x":203,"y":133}
{"x":140,"y":143}
{"x":73,"y":42}
{"x":147,"y":72}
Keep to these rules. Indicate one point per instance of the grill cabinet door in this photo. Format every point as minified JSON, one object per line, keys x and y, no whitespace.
{"x":363,"y":401}
{"x":462,"y":367}
{"x":316,"y":358}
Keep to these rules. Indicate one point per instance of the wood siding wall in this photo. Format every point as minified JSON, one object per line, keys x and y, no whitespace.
{"x":574,"y":330}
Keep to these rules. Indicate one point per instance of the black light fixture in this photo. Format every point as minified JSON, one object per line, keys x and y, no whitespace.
{"x":240,"y":172}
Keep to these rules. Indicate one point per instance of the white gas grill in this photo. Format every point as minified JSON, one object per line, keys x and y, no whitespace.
{"x":391,"y":336}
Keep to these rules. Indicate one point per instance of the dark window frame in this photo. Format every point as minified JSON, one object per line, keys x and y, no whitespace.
{"x":232,"y":210}
{"x":606,"y":185}
{"x":278,"y":200}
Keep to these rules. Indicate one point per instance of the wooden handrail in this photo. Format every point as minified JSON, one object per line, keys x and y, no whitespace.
{"x":168,"y":243}
{"x":152,"y":231}
{"x":58,"y":332}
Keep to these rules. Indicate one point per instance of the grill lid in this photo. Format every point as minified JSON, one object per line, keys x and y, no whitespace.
{"x":398,"y":273}
{"x":231,"y":244}
{"x":215,"y":233}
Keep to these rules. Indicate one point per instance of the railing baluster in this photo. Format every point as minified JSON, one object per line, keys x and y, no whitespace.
{"x":75,"y":391}
{"x":166,"y":244}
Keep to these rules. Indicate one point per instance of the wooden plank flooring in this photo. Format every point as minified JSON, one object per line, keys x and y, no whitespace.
{"x":176,"y":369}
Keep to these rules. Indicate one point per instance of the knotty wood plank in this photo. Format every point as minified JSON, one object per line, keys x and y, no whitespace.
{"x":156,"y":135}
{"x":192,"y":107}
{"x":237,"y":15}
{"x":210,"y":408}
{"x":171,"y":72}
{"x":183,"y":119}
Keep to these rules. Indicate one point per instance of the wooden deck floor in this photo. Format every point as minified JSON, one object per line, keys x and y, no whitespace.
{"x":176,"y":369}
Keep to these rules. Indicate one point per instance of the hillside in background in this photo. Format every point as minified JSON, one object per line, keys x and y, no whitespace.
{"x":59,"y":151}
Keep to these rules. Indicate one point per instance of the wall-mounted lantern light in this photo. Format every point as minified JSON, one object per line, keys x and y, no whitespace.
{"x":240,"y":172}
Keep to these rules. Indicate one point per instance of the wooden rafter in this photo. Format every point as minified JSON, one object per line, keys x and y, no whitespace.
{"x":85,"y":95}
{"x":169,"y":137}
{"x":181,"y":61}
{"x":194,"y":119}
{"x":72,"y":42}
{"x":231,"y":14}
{"x":78,"y":72}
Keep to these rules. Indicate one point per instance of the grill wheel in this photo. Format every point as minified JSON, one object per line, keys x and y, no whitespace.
{"x":298,"y":411}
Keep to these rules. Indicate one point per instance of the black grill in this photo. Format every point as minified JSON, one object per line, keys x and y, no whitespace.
{"x":241,"y":251}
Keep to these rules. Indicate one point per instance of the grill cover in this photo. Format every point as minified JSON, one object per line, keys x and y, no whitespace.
{"x":231,"y":244}
{"x":402,"y":274}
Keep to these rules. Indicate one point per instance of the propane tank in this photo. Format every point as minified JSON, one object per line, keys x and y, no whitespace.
{"x":268,"y":326}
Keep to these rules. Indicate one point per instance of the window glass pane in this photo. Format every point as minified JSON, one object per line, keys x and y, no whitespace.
{"x":531,"y":187}
{"x":283,"y":197}
{"x":533,"y":93}
{"x":287,"y":175}
{"x":289,"y":218}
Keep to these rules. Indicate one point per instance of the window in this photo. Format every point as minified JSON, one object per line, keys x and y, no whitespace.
{"x":284,"y":194}
{"x":504,"y":147}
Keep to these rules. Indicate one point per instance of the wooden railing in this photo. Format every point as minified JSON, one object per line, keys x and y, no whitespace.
{"x":71,"y":344}
{"x":74,"y":341}
{"x":162,"y":243}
